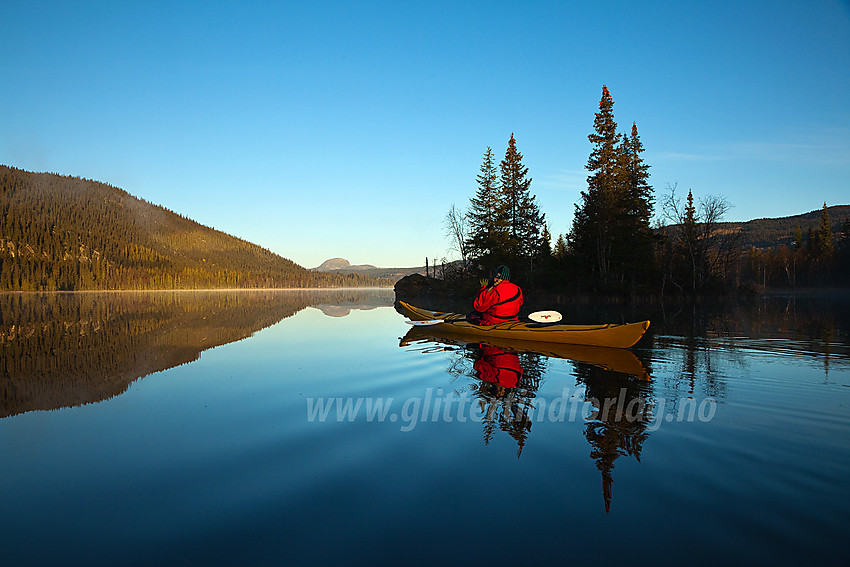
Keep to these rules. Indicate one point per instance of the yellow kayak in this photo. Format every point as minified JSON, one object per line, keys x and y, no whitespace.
{"x":607,"y":335}
{"x":615,"y":359}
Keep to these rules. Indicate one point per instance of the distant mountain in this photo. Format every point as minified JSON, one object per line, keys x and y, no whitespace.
{"x":337,"y":264}
{"x":67,"y":233}
{"x":390,"y":275}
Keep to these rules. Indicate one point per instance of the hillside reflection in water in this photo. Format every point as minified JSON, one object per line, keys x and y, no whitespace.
{"x":68,"y":349}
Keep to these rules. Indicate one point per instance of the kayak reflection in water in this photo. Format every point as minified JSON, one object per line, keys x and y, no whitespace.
{"x":498,"y":300}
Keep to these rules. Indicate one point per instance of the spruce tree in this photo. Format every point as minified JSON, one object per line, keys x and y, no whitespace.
{"x":546,"y":243}
{"x":611,"y":236}
{"x":560,"y":251}
{"x":690,"y":242}
{"x":486,"y":225}
{"x":824,"y":239}
{"x":522,"y":217}
{"x":594,"y":215}
{"x":633,"y":236}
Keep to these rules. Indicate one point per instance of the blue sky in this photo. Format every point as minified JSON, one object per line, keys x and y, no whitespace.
{"x":323,"y":129}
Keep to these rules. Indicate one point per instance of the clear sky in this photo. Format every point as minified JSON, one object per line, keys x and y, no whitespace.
{"x":325,"y":129}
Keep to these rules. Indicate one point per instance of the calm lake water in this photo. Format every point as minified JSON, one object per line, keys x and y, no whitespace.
{"x":272,"y":428}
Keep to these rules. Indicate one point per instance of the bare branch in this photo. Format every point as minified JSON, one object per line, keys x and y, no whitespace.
{"x":456,"y":226}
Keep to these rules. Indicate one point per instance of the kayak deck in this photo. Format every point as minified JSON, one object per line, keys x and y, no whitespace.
{"x":606,"y":335}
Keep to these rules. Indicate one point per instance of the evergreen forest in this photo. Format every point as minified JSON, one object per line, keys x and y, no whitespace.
{"x":624,"y":242}
{"x":67,"y":233}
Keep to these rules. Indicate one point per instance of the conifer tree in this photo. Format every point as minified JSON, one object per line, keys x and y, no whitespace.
{"x":546,"y":243}
{"x":594,"y":215}
{"x":824,"y":247}
{"x":560,"y":251}
{"x":523,"y":220}
{"x":486,"y":224}
{"x":824,"y":239}
{"x":690,"y":242}
{"x":633,"y":236}
{"x":611,"y":235}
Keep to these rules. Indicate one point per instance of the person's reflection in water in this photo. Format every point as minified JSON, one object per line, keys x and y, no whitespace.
{"x":500,"y":373}
{"x":498,"y":366}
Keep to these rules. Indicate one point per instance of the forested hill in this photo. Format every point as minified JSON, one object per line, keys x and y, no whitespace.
{"x":769,"y":233}
{"x":68,"y":233}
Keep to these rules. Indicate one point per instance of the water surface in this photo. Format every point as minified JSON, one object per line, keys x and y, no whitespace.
{"x":290,"y":427}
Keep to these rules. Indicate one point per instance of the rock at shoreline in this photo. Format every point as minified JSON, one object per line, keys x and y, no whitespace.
{"x":416,"y":286}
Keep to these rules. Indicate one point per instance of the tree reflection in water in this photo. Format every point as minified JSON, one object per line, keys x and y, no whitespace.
{"x":619,"y":420}
{"x":505,"y":384}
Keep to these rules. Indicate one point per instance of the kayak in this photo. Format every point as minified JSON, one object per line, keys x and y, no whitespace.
{"x":615,"y":359}
{"x":607,"y":335}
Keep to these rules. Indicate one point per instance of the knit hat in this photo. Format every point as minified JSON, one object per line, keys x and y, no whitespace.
{"x":502,"y":272}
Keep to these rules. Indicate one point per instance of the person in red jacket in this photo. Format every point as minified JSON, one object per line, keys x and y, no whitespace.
{"x":498,"y":300}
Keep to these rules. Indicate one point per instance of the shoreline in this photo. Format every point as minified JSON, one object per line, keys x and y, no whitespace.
{"x":207,"y":290}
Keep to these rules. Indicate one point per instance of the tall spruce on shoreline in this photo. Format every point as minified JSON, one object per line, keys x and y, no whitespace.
{"x":611,"y":239}
{"x":485,"y":223}
{"x":505,"y":221}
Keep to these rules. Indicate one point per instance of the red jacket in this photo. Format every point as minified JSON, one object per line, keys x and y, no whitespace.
{"x":499,"y":303}
{"x":498,"y":366}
